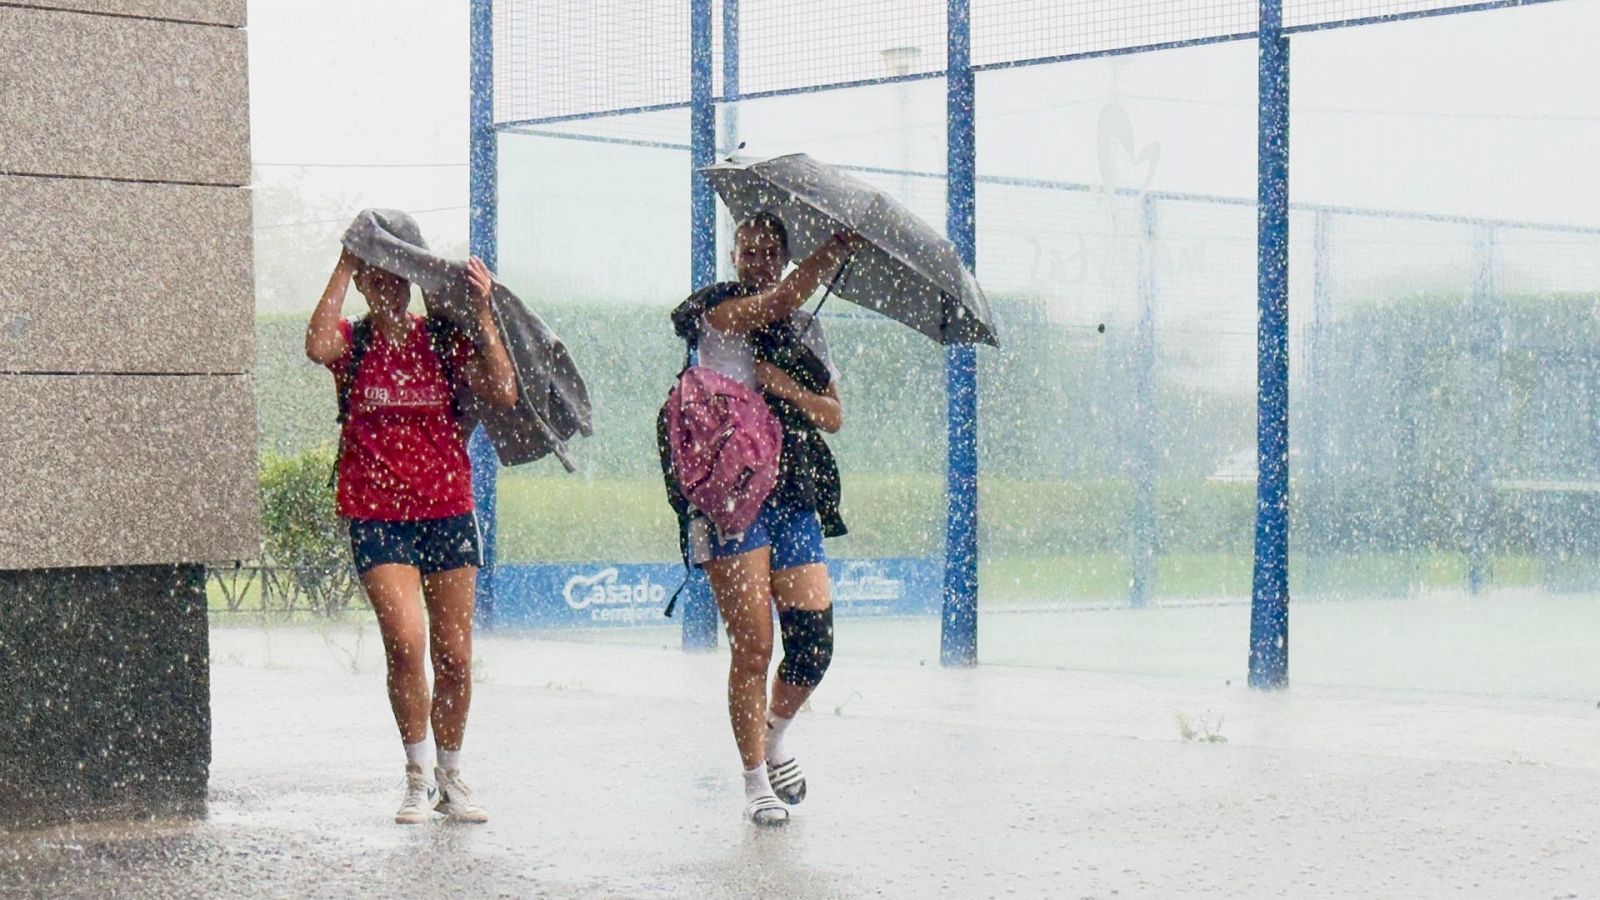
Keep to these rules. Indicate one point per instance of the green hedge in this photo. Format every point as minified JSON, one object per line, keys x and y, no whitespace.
{"x":1054,"y":405}
{"x":570,"y":518}
{"x":1392,"y":427}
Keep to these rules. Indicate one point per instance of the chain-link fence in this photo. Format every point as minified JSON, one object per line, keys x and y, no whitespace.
{"x":284,"y":591}
{"x":1442,"y":421}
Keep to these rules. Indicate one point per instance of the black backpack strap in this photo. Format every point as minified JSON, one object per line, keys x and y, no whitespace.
{"x":360,"y":342}
{"x":673,"y":603}
{"x":685,"y":519}
{"x":441,"y":335}
{"x":675,"y":499}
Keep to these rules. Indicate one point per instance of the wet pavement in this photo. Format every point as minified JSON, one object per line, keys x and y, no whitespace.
{"x":609,"y":771}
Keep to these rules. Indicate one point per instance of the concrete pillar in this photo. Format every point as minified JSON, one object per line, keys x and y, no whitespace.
{"x":126,"y":349}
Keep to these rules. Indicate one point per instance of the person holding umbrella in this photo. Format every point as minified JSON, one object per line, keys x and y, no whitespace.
{"x":753,"y":331}
{"x":405,"y":486}
{"x":901,"y":267}
{"x":874,"y":252}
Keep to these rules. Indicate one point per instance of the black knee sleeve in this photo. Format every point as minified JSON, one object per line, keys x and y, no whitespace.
{"x":807,"y":645}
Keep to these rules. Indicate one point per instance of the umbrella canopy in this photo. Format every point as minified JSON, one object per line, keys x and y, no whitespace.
{"x":908,"y":271}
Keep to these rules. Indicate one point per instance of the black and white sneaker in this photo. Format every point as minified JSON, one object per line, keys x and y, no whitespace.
{"x":788,"y":782}
{"x":767,"y":812}
{"x":455,"y":799}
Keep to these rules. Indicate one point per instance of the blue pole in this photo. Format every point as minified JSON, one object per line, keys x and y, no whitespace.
{"x":730,"y":72}
{"x":1269,"y":607}
{"x":699,"y":609}
{"x":1485,"y":344}
{"x":483,"y":240}
{"x":1144,"y":530}
{"x":1317,"y":401}
{"x":959,"y":632}
{"x":728,"y":113}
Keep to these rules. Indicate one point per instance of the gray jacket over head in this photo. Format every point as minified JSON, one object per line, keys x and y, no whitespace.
{"x":552,"y":401}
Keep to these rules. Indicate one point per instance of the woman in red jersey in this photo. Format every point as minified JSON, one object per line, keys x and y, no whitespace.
{"x":405,"y":485}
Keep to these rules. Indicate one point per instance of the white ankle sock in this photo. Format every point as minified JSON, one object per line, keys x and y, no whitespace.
{"x":776,"y":752}
{"x":756,"y":783}
{"x":449,"y":760}
{"x":417,"y":754}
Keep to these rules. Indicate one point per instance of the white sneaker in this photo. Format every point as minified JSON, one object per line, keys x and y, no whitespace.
{"x":420,"y":799}
{"x":455,"y":798}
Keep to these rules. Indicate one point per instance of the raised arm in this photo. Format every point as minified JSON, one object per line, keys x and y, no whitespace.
{"x":490,"y":374}
{"x":746,"y":314}
{"x":324,"y":341}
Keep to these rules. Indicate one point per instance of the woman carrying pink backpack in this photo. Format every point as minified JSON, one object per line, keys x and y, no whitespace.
{"x":755,"y":523}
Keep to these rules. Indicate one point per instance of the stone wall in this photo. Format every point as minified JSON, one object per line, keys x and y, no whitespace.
{"x":107,"y":684}
{"x":128,"y":451}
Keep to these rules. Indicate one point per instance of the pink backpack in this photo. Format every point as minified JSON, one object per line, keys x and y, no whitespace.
{"x":725,"y":444}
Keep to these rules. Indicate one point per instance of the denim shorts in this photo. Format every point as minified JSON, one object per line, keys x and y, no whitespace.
{"x":429,"y":545}
{"x":793,"y":533}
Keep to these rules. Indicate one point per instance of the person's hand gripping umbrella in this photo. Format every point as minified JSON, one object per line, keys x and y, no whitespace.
{"x":901,"y":268}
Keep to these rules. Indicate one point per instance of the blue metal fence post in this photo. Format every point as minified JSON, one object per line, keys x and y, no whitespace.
{"x":1144,"y":526}
{"x":959,"y":631}
{"x":730,"y":76}
{"x":483,"y":241}
{"x":1485,"y":350}
{"x":728,"y":116}
{"x":699,"y":609}
{"x":1269,"y":607}
{"x":1316,"y":400}
{"x":1553,"y":533}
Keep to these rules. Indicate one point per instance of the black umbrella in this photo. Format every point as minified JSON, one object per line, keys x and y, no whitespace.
{"x":908,"y":271}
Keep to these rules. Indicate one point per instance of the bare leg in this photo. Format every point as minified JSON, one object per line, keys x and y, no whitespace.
{"x":451,"y":597}
{"x":744,"y":597}
{"x":395,"y":594}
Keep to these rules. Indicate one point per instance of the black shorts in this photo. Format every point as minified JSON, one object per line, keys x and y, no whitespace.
{"x":430,"y":545}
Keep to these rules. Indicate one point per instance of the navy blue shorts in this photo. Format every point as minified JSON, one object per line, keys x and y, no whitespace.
{"x":793,"y":533}
{"x":429,"y":545}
